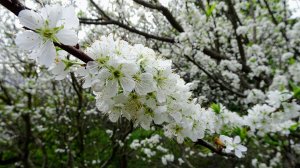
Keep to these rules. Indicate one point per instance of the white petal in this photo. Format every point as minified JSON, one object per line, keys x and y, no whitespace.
{"x":114,"y":116}
{"x":34,"y":54}
{"x":160,"y":118}
{"x":177,"y":116}
{"x":146,"y":84}
{"x":47,"y":54}
{"x":128,"y":84}
{"x":67,"y":37}
{"x":129,"y":68}
{"x":111,"y":88}
{"x":227,"y":150}
{"x":242,"y":148}
{"x":82,"y":71}
{"x":238,"y":153}
{"x":69,"y":18}
{"x":88,"y":81}
{"x":237,"y":140}
{"x":160,"y":96}
{"x":28,"y":40}
{"x":145,"y":124}
{"x":59,"y":68}
{"x":31,"y":19}
{"x":104,"y":74}
{"x":52,"y":14}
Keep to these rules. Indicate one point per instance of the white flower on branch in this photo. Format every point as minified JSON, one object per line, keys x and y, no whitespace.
{"x":49,"y":24}
{"x":233,"y":144}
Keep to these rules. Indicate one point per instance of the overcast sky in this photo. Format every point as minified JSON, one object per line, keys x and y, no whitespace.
{"x":295,"y":5}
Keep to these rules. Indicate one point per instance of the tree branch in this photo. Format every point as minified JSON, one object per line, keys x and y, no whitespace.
{"x":124,"y":26}
{"x":233,"y":17}
{"x":221,"y":84}
{"x":165,"y":11}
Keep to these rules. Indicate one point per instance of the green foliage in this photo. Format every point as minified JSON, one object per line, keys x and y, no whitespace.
{"x":242,"y":132}
{"x":210,"y":9}
{"x":295,"y":89}
{"x":216,"y":108}
{"x":294,"y":127}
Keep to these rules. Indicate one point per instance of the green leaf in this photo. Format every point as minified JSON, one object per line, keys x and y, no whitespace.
{"x":210,"y":9}
{"x":242,"y":132}
{"x":292,"y":61}
{"x":216,"y":108}
{"x":294,"y":127}
{"x":296,"y":90}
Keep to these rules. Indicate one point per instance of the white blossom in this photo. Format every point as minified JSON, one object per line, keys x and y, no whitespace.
{"x":47,"y":25}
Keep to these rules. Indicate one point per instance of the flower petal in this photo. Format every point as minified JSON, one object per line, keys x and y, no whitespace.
{"x":128,"y":84}
{"x":146,"y":84}
{"x":237,"y":140}
{"x":47,"y":54}
{"x":28,"y":40}
{"x":69,"y":18}
{"x":129,"y":68}
{"x":67,"y":37}
{"x":114,"y":116}
{"x":52,"y":14}
{"x":111,"y":88}
{"x":238,"y":153}
{"x":242,"y":148}
{"x":31,"y":19}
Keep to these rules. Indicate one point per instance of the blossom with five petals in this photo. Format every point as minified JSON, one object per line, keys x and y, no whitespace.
{"x":48,"y":25}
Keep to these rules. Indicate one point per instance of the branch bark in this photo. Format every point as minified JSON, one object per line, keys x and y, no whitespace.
{"x":222,"y":84}
{"x":124,"y":26}
{"x":165,"y":11}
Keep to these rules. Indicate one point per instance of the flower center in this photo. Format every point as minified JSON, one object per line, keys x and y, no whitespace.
{"x":102,"y":60}
{"x":117,"y":73}
{"x":49,"y":33}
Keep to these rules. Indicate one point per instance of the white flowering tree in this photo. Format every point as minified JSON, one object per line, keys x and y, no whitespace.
{"x":131,"y":83}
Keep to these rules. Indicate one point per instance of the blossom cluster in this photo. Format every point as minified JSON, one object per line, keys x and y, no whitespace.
{"x":132,"y":82}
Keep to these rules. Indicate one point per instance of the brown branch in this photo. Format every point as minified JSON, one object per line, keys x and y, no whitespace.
{"x":15,"y":7}
{"x":270,"y":12}
{"x":165,"y":11}
{"x":210,"y":52}
{"x":124,"y":26}
{"x":100,"y":10}
{"x":233,"y":17}
{"x":213,"y":54}
{"x":7,"y":98}
{"x":26,"y":140}
{"x":222,"y":84}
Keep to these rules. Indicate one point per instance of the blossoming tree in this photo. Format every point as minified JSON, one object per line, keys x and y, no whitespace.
{"x":177,"y":84}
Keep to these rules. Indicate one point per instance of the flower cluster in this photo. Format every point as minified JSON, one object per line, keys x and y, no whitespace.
{"x":50,"y":24}
{"x":132,"y":82}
